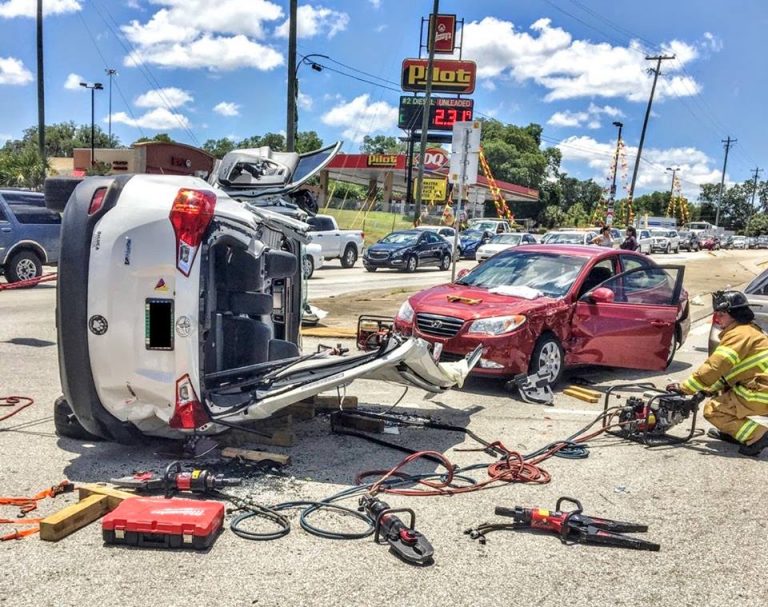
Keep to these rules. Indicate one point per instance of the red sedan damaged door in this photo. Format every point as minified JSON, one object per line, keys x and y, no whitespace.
{"x":629,"y":320}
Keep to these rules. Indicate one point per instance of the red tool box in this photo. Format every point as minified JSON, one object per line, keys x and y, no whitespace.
{"x":164,"y":523}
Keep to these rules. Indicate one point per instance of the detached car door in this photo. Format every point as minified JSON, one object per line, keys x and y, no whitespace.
{"x":630,"y":322}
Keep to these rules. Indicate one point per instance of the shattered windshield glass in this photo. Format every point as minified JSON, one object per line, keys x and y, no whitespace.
{"x":549,"y":273}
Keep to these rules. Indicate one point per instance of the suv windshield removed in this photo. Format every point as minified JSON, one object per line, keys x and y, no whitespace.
{"x":549,"y":273}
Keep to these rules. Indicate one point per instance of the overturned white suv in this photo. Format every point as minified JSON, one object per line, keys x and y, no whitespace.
{"x":179,"y":303}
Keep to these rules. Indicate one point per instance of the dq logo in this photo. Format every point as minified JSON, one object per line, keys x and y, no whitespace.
{"x":434,"y":159}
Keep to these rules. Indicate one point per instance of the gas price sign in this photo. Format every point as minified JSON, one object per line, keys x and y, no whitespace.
{"x":443,"y":112}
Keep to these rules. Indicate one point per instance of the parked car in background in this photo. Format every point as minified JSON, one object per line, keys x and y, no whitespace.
{"x":739,"y":242}
{"x":710,"y":242}
{"x":751,"y":242}
{"x":689,"y":241}
{"x":470,"y":240}
{"x":762,"y":242}
{"x":346,"y":245}
{"x":313,"y":259}
{"x":665,"y":241}
{"x":757,"y":296}
{"x":29,"y":235}
{"x":408,"y":250}
{"x":644,"y":241}
{"x":446,"y":232}
{"x":568,"y":237}
{"x":502,"y":242}
{"x":497,"y":226}
{"x":545,"y":307}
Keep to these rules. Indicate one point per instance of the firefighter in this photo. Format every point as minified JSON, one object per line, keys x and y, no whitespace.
{"x":737,"y":374}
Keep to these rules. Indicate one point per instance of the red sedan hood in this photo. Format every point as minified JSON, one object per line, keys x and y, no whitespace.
{"x":469,"y":303}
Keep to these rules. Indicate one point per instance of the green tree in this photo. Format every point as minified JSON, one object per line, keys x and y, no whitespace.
{"x":758,"y":225}
{"x":381,"y":144}
{"x":22,"y":168}
{"x":62,"y":138}
{"x":162,"y":137}
{"x":576,"y":216}
{"x":308,"y":141}
{"x":219,"y":147}
{"x":551,"y":216}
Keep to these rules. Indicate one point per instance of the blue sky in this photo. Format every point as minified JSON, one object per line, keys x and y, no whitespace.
{"x":573,"y":66}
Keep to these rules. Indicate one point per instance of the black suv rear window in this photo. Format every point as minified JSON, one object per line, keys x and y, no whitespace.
{"x":30,"y":208}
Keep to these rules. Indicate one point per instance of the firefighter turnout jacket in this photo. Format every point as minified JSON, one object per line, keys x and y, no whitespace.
{"x":737,"y":371}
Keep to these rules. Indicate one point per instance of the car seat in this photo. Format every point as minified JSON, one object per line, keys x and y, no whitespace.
{"x":595,"y":277}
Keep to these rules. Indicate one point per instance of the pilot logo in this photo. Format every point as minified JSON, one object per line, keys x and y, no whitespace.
{"x":98,"y":324}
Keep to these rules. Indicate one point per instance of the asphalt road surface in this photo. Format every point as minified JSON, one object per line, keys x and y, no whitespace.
{"x":703,"y":503}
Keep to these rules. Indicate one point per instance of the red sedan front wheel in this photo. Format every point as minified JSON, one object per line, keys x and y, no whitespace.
{"x":548,"y":356}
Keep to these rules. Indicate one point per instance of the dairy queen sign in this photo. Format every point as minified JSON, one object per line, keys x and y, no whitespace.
{"x":435,"y":159}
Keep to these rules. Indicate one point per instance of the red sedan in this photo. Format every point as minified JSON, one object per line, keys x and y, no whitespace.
{"x":555,"y":306}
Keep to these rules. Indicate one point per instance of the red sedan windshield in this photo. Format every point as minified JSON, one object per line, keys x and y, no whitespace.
{"x":550,"y":273}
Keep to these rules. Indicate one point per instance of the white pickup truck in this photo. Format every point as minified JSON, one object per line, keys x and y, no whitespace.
{"x":346,"y":245}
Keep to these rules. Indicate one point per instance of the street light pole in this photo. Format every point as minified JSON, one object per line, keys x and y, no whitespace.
{"x":110,"y":72}
{"x":96,"y":86}
{"x":305,"y":59}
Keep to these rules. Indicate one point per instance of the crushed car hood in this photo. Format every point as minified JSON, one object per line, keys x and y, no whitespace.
{"x":461,"y":301}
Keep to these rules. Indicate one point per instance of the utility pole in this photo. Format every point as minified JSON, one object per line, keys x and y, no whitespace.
{"x":425,"y":111}
{"x":727,"y":143}
{"x":40,"y":87}
{"x":656,"y":73}
{"x":290,"y":129}
{"x":672,"y":187}
{"x":110,"y":72}
{"x":612,"y":199}
{"x":757,"y":172}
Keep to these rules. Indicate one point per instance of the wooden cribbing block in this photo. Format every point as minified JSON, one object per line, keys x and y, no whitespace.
{"x":279,"y":437}
{"x":357,"y":422}
{"x":95,"y":502}
{"x":74,"y":517}
{"x":581,"y":396}
{"x":331,"y":402}
{"x":256,"y":456}
{"x":300,"y":411}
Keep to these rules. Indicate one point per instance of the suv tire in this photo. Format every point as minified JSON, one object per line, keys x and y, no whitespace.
{"x":66,"y":423}
{"x":308,"y":267}
{"x":23,"y":265}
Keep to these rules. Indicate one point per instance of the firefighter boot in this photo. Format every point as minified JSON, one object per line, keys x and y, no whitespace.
{"x":719,"y":435}
{"x":755,"y":448}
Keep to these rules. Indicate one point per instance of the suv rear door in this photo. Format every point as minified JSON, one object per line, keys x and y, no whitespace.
{"x":636,"y":330}
{"x":6,"y":231}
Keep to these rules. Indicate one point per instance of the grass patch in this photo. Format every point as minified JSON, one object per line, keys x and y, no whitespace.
{"x":375,"y":224}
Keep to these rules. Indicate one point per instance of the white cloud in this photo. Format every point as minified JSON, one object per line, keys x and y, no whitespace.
{"x":569,"y":68}
{"x":13,"y":71}
{"x":169,"y":97}
{"x":380,"y":28}
{"x":589,"y":117}
{"x":360,"y":117}
{"x":227,"y":108}
{"x":28,"y":8}
{"x":711,"y":42}
{"x":305,"y":101}
{"x":376,"y":3}
{"x":158,"y":119}
{"x":200,"y":34}
{"x":695,"y":166}
{"x":313,"y":21}
{"x":73,"y":81}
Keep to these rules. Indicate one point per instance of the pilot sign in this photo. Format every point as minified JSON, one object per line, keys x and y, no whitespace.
{"x":443,"y":112}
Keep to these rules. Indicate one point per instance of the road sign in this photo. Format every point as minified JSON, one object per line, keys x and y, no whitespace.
{"x":465,"y":153}
{"x":448,"y":76}
{"x":444,"y":112}
{"x":433,"y":190}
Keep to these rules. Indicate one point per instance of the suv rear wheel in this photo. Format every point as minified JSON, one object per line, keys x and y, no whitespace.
{"x":23,"y":265}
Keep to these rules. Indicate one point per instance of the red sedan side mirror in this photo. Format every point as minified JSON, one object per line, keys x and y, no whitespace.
{"x":602,"y":295}
{"x":462,"y":273}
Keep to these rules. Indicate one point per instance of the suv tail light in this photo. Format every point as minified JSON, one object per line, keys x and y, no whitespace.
{"x":189,"y":413}
{"x":190,"y":216}
{"x":97,"y":201}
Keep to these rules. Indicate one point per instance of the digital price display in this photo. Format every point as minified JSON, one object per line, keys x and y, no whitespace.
{"x":443,"y":112}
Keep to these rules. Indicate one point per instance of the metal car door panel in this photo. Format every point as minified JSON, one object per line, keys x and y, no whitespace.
{"x":636,"y":329}
{"x":6,"y":233}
